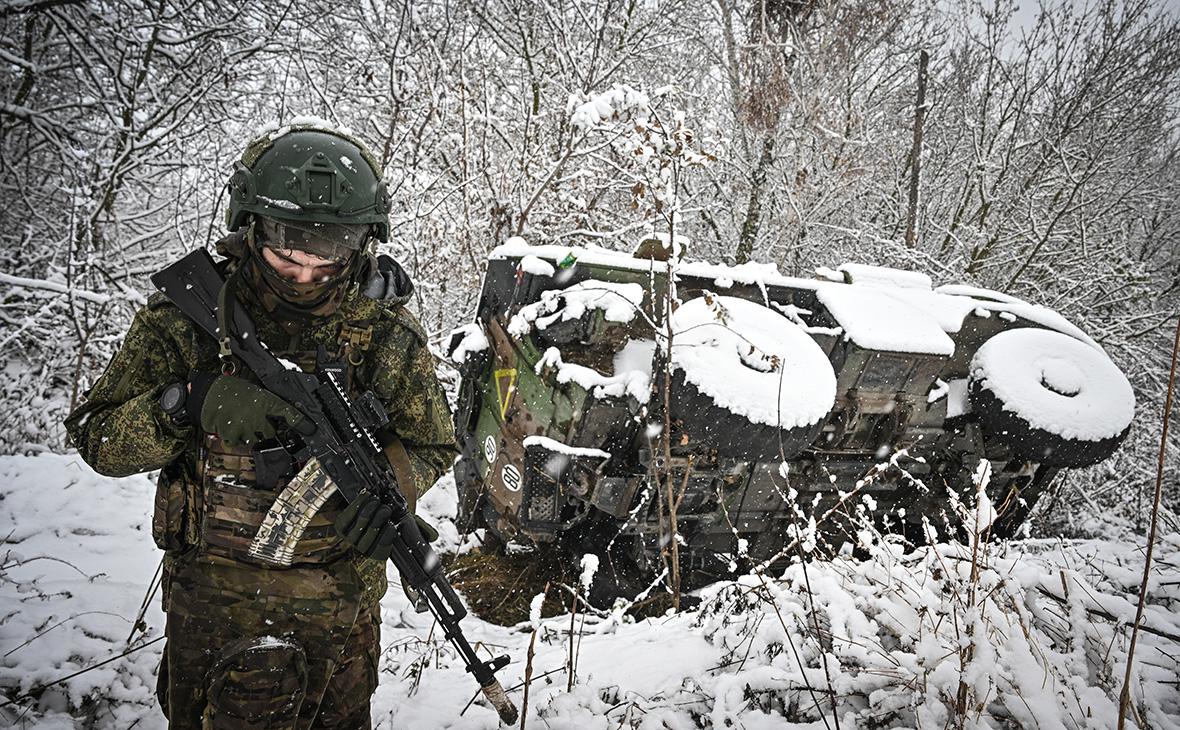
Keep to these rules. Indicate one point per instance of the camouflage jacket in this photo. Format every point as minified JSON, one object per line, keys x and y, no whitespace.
{"x":120,"y":429}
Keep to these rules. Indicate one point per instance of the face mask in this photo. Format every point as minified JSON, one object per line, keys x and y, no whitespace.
{"x":292,"y":300}
{"x":303,"y":294}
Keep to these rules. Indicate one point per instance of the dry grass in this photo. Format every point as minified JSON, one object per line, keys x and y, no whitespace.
{"x":499,"y":587}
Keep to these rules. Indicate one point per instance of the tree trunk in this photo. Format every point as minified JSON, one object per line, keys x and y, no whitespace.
{"x":753,"y":221}
{"x":916,"y":150}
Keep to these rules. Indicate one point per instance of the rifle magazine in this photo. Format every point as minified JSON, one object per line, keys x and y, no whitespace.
{"x":288,"y":517}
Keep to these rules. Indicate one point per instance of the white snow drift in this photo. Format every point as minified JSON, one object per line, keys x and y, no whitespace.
{"x":1042,"y":644}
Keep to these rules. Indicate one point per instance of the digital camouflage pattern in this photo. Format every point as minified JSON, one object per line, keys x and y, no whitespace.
{"x":208,"y":505}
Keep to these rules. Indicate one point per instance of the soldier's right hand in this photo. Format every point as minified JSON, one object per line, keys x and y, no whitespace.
{"x":238,"y":411}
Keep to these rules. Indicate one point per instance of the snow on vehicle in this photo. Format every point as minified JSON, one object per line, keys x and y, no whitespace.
{"x":782,"y":393}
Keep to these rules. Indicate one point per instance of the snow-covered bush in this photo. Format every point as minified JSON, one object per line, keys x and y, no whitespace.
{"x":960,"y":634}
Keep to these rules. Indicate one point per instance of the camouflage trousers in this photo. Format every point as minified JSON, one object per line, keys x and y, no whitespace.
{"x":276,"y":649}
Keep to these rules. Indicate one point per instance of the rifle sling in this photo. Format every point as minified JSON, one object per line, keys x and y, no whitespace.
{"x":399,"y":459}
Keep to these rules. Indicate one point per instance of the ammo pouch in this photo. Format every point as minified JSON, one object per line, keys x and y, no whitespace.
{"x":234,"y":506}
{"x":239,"y":484}
{"x":172,"y":525}
{"x":256,"y":683}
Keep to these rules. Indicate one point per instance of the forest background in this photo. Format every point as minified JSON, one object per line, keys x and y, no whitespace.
{"x":1047,"y":166}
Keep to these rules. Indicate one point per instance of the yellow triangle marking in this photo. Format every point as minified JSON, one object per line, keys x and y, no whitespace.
{"x":505,"y":387}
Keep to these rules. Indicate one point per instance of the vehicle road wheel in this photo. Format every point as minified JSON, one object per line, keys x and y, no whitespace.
{"x":746,"y":380}
{"x":1050,"y":398}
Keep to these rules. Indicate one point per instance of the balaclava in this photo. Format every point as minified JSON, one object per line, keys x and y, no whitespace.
{"x":289,"y":300}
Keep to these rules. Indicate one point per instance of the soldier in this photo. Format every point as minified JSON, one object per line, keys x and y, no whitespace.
{"x":249,"y":645}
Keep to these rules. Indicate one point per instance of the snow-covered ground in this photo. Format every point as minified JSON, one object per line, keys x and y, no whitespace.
{"x":1034,"y":636}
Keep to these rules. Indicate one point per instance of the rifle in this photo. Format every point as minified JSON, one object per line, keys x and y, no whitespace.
{"x":340,"y":452}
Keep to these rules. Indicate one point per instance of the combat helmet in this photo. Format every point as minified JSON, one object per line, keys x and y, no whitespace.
{"x":309,"y":174}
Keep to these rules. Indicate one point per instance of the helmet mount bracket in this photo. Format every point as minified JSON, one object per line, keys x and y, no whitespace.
{"x":318,"y":185}
{"x":241,"y":184}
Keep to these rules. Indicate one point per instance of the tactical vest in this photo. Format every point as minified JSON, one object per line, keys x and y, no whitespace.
{"x":219,"y":508}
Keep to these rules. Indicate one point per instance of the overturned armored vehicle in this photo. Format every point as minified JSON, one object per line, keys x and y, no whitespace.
{"x":760,"y":404}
